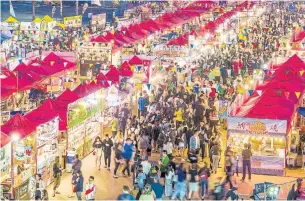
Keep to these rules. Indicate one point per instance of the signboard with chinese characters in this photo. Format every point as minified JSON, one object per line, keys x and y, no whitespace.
{"x":47,"y":132}
{"x":73,"y":21}
{"x":258,"y":127}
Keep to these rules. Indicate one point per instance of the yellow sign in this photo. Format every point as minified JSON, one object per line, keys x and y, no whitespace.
{"x":73,"y":21}
{"x":258,"y":128}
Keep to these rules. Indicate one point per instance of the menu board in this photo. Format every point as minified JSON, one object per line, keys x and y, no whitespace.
{"x":46,"y":132}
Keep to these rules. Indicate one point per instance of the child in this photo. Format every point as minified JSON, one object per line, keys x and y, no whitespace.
{"x":90,"y":189}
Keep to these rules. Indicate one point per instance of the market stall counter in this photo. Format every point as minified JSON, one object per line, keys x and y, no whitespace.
{"x":267,"y":139}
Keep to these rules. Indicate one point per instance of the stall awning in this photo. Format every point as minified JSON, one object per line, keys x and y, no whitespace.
{"x":301,"y":111}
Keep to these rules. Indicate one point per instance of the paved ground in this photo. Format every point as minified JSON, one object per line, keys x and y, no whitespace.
{"x":109,"y":188}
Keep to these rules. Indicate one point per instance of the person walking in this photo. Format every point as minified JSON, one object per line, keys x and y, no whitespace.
{"x":98,"y":149}
{"x":203,"y":141}
{"x":246,"y":154}
{"x":204,"y":174}
{"x":79,"y":187}
{"x":158,"y":189}
{"x":169,"y":179}
{"x":229,"y":163}
{"x":90,"y":189}
{"x":127,"y":155}
{"x":193,"y":180}
{"x":215,"y":152}
{"x":141,"y":105}
{"x":117,"y":159}
{"x":107,"y":144}
{"x":164,"y":161}
{"x":195,"y":142}
{"x":214,"y":119}
{"x":180,"y":188}
{"x":57,"y":172}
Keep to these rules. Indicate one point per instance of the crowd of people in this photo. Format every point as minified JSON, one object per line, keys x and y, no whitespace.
{"x":182,"y":125}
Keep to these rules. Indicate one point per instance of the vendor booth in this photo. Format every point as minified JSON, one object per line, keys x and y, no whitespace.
{"x":6,"y":162}
{"x":83,"y":125}
{"x":267,"y":139}
{"x":23,"y":153}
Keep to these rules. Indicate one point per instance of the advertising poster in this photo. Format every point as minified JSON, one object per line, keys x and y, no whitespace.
{"x":5,"y":162}
{"x":73,"y":21}
{"x":24,"y":152}
{"x":99,"y":21}
{"x":223,"y":109}
{"x":171,"y":51}
{"x":93,"y":56}
{"x":256,"y":127}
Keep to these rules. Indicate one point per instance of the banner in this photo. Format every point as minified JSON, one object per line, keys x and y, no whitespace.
{"x":30,"y":26}
{"x":171,"y":51}
{"x":99,"y":21}
{"x":47,"y":132}
{"x":257,"y":127}
{"x":223,"y":109}
{"x":73,"y":21}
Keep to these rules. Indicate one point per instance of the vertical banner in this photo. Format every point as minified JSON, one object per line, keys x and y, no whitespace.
{"x":223,"y":109}
{"x":146,"y":65}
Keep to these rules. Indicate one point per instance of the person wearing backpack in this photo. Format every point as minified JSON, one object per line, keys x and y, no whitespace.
{"x":204,"y":174}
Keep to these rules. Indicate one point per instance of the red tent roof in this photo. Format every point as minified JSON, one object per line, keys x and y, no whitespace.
{"x":135,"y":61}
{"x":113,"y":75}
{"x":82,"y":90}
{"x":125,"y":69}
{"x":44,"y":113}
{"x":66,"y":98}
{"x":99,"y":39}
{"x":18,"y":124}
{"x":102,"y":81}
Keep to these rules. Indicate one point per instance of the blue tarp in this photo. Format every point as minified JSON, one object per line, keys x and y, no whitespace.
{"x":301,"y":111}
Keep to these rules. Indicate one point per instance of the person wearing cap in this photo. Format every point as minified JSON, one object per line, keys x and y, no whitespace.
{"x":90,"y":189}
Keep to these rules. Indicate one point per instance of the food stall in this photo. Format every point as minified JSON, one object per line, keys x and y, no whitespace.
{"x":6,"y":162}
{"x":24,"y":166}
{"x":22,"y":135}
{"x":83,"y":125}
{"x":47,"y":149}
{"x":267,"y":139}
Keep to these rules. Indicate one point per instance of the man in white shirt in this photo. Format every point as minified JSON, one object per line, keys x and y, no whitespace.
{"x":146,"y":166}
{"x":90,"y":189}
